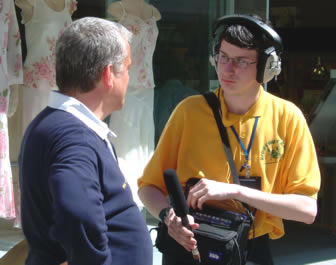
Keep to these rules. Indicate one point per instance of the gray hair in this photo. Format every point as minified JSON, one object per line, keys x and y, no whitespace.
{"x":85,"y":48}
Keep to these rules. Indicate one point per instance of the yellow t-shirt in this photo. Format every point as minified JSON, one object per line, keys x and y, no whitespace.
{"x":282,"y":153}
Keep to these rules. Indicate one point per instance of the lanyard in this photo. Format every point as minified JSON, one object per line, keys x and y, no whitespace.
{"x":246,"y":152}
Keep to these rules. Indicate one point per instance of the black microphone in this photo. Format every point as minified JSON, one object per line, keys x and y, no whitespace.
{"x":178,"y":202}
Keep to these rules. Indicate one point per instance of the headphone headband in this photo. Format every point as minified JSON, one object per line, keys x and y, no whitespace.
{"x":251,"y":23}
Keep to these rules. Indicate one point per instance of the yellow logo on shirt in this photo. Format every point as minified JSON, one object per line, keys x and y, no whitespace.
{"x":272,"y":151}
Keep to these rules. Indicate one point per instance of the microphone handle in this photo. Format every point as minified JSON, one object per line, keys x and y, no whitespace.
{"x":185,"y":222}
{"x":196,"y":255}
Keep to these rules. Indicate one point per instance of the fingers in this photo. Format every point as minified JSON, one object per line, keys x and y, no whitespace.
{"x":193,"y":225}
{"x":181,"y":234}
{"x":186,"y":238}
{"x":198,"y":195}
{"x":206,"y":189}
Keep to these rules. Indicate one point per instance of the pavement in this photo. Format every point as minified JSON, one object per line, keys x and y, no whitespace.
{"x":305,"y":244}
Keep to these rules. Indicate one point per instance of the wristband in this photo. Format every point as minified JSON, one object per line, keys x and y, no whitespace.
{"x":163,"y":213}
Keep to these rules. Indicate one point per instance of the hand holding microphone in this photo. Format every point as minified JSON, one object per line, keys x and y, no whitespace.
{"x":178,"y":202}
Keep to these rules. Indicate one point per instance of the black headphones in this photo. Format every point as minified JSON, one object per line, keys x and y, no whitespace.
{"x":269,"y":63}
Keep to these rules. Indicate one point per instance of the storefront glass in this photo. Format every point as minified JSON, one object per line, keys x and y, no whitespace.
{"x":175,"y":62}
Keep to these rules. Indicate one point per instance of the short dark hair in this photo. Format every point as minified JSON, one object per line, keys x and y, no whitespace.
{"x":244,"y":37}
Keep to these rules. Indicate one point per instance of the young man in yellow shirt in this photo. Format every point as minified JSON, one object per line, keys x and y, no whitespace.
{"x":280,"y":153}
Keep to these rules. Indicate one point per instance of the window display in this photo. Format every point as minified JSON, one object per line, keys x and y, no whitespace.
{"x":134,"y":124}
{"x":10,"y":77}
{"x":170,"y":61}
{"x":43,"y":20}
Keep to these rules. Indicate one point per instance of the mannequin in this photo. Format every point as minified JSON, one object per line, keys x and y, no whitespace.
{"x":43,"y":20}
{"x":10,"y":76}
{"x":134,"y":124}
{"x":27,"y":7}
{"x":138,"y":8}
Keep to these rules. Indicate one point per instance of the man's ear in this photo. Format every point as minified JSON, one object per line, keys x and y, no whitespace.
{"x":108,"y":75}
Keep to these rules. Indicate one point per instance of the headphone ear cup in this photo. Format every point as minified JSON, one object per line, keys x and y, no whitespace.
{"x":212,"y":61}
{"x":276,"y":65}
{"x":269,"y":66}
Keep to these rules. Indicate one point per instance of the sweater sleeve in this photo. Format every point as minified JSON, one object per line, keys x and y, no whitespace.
{"x":77,"y":201}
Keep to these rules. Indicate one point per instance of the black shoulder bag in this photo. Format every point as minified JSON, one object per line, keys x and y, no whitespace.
{"x":222,"y":235}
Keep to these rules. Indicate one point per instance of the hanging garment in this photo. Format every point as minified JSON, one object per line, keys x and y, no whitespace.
{"x":10,"y":74}
{"x":134,"y":124}
{"x":42,"y":31}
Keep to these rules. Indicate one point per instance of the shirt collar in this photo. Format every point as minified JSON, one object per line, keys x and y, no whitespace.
{"x":256,"y":110}
{"x":80,"y":111}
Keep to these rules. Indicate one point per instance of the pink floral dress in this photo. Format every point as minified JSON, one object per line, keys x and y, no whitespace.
{"x":134,"y":123}
{"x":10,"y":74}
{"x":42,"y":31}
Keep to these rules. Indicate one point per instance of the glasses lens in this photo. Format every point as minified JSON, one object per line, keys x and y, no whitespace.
{"x":237,"y":62}
{"x":242,"y":64}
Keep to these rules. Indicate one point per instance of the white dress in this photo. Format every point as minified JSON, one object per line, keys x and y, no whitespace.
{"x":134,"y":124}
{"x":10,"y":74}
{"x":42,"y":31}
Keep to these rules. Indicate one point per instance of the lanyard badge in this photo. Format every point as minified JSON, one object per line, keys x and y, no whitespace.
{"x":246,"y":166}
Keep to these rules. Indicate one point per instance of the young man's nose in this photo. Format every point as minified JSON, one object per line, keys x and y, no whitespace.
{"x":229,"y":66}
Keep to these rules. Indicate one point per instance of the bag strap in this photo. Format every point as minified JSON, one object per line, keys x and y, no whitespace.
{"x":214,"y":104}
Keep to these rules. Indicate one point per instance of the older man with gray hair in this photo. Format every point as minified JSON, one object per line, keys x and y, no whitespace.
{"x":77,"y":207}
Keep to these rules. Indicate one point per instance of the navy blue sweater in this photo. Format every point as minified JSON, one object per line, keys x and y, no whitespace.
{"x":75,"y":203}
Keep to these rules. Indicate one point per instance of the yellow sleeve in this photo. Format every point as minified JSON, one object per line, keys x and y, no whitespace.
{"x":166,"y":153}
{"x":302,"y":167}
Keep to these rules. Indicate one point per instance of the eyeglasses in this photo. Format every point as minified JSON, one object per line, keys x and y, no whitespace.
{"x":238,"y":62}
